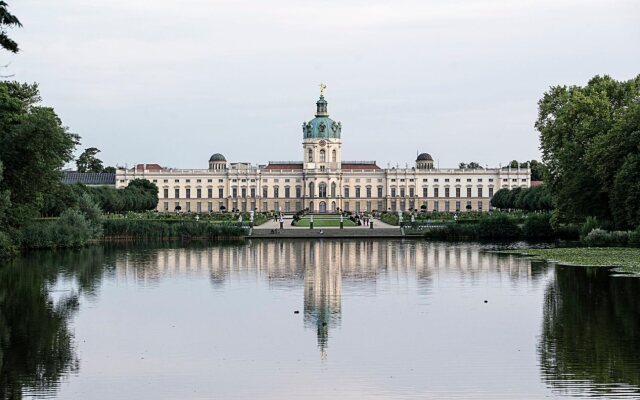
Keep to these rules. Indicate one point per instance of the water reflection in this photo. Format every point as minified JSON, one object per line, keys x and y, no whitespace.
{"x":36,"y":343}
{"x":428,"y":293}
{"x":591,"y":333}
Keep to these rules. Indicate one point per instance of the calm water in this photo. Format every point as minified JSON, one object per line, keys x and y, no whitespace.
{"x":377,"y":319}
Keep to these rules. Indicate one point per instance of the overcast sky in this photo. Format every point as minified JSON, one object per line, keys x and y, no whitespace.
{"x":173,"y":81}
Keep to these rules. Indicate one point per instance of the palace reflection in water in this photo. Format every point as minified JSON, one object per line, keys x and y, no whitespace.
{"x":322,"y":266}
{"x":583,"y":324}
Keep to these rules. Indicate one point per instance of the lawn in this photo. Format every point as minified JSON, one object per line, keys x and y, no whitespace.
{"x":324,"y":221}
{"x":628,"y":259}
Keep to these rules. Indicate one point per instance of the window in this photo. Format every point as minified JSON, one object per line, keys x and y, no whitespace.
{"x":220,"y":193}
{"x":199,"y":207}
{"x":446,"y":179}
{"x":176,"y":193}
{"x":198,"y":180}
{"x":479,"y":179}
{"x":188,"y":204}
{"x":368,"y":191}
{"x":425,"y":180}
{"x":446,"y":192}
{"x":209,"y":206}
{"x":333,"y":189}
{"x":346,"y":193}
{"x":166,"y":206}
{"x":322,"y":190}
{"x":425,"y":192}
{"x":380,"y":192}
{"x":176,"y":180}
{"x":358,"y":192}
{"x":187,"y":180}
{"x":165,"y":181}
{"x":393,"y":192}
{"x":276,"y":192}
{"x":312,"y":190}
{"x":393,"y":180}
{"x":435,"y":179}
{"x":322,"y":168}
{"x":253,"y":192}
{"x":220,"y":180}
{"x":457,"y":192}
{"x":287,"y":192}
{"x":411,"y":192}
{"x":401,"y":192}
{"x":165,"y":193}
{"x":198,"y":193}
{"x":310,"y":157}
{"x":490,"y":192}
{"x":468,"y":192}
{"x":210,"y":180}
{"x":435,"y":193}
{"x":468,"y":179}
{"x":243,"y":192}
{"x":322,"y":156}
{"x":188,"y":193}
{"x":446,"y":206}
{"x":298,"y":192}
{"x":458,"y":205}
{"x":209,"y":193}
{"x":234,"y":192}
{"x":265,"y":193}
{"x":479,"y":192}
{"x":334,"y":157}
{"x":479,"y":204}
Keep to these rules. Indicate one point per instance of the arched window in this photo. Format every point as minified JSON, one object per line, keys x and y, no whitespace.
{"x":322,"y":156}
{"x":311,"y":189}
{"x":310,"y":155}
{"x":333,"y":189}
{"x":322,"y":190}
{"x":334,"y":156}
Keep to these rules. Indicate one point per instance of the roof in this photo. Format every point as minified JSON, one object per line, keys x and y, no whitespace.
{"x":537,"y":183}
{"x":148,"y":167}
{"x":284,"y":165}
{"x":88,"y":178}
{"x":424,"y":157}
{"x":360,"y":165}
{"x":217,"y":157}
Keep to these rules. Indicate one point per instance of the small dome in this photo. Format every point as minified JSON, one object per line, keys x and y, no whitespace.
{"x":217,"y":157}
{"x":424,"y":157}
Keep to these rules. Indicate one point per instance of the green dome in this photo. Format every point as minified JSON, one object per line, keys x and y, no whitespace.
{"x":217,"y":157}
{"x":322,"y":126}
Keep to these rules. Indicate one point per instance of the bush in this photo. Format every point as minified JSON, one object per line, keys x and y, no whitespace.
{"x":590,"y":224}
{"x":601,"y":238}
{"x":72,"y":229}
{"x":538,"y":226}
{"x":499,"y":226}
{"x":7,"y":248}
{"x":567,"y":232}
{"x":634,"y":238}
{"x":149,"y":229}
{"x":453,"y":232}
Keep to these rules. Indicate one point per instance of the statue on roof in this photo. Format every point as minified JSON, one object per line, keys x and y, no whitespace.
{"x":322,"y":88}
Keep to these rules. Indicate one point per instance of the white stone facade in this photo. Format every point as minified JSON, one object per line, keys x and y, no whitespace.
{"x":323,"y":183}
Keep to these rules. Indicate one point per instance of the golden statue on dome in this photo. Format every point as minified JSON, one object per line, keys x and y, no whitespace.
{"x":322,"y":88}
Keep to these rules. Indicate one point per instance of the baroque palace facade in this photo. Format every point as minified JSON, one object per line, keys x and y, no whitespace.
{"x":323,"y":182}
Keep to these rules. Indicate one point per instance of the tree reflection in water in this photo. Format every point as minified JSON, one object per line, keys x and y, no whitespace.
{"x":36,"y":345}
{"x":591,"y":332}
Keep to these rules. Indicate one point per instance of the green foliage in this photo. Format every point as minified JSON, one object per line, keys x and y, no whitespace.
{"x":538,"y":226}
{"x":601,"y":238}
{"x":7,"y":20}
{"x":88,"y":162}
{"x":34,"y":146}
{"x":471,"y":165}
{"x":138,"y":229}
{"x":587,"y":134}
{"x":7,"y":248}
{"x":590,"y":224}
{"x":530,"y":199}
{"x":499,"y":226}
{"x":72,"y":229}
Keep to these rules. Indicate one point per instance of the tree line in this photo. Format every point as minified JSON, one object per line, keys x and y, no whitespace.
{"x":590,"y":142}
{"x":535,"y":198}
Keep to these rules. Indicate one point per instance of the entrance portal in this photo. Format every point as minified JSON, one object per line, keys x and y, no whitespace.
{"x":323,"y":207}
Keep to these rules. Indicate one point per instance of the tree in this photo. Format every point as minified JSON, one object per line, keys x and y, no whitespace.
{"x":462,"y":165}
{"x":110,"y":170}
{"x":474,"y":165}
{"x":88,"y":162}
{"x":34,"y":146}
{"x":514,"y":164}
{"x":7,"y":20}
{"x":586,"y":135}
{"x":537,"y":170}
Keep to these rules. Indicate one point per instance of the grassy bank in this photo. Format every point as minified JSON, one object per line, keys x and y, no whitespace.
{"x":627,"y":259}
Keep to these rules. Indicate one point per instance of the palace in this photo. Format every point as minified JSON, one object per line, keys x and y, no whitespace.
{"x":323,"y":182}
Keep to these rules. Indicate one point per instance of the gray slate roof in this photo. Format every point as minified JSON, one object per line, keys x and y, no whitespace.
{"x":89,"y":178}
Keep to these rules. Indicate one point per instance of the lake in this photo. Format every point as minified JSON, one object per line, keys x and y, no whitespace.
{"x":322,"y":319}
